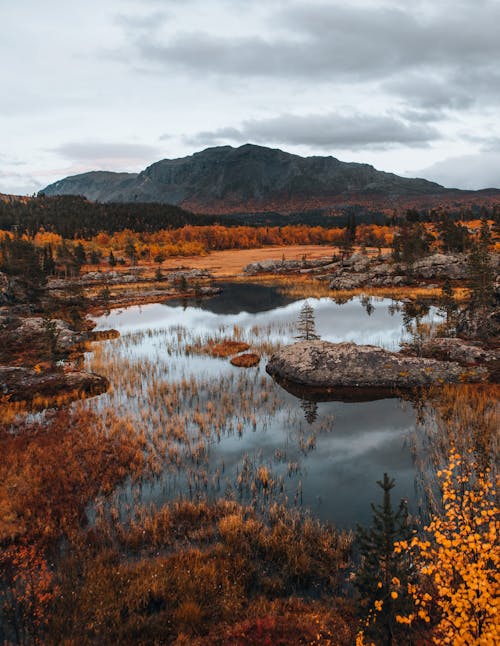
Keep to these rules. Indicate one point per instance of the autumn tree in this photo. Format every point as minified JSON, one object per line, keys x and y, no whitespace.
{"x":28,"y":591}
{"x":131,"y":252}
{"x":458,"y":560}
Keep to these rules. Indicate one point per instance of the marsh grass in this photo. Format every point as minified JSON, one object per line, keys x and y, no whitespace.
{"x":190,"y":568}
{"x":182,"y":415}
{"x":462,"y":417}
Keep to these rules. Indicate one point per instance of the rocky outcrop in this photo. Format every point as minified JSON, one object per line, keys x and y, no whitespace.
{"x":360,"y":271}
{"x":13,"y":290}
{"x":134,"y":275}
{"x":438,"y":265}
{"x":455,"y":349}
{"x":476,"y":323}
{"x":53,"y":331}
{"x":4,"y":288}
{"x":323,"y":365}
{"x":24,"y":384}
{"x":101,"y":186}
{"x":285,"y":266}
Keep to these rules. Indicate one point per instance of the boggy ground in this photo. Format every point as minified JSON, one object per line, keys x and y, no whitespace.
{"x":42,"y":342}
{"x":80,"y":567}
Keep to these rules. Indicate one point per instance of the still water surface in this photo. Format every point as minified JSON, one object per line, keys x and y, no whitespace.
{"x":325,"y":456}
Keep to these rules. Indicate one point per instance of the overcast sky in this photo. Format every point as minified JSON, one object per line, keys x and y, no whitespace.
{"x":410,"y":87}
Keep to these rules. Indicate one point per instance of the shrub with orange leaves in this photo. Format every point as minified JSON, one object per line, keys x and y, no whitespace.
{"x":458,"y":560}
{"x":28,"y":590}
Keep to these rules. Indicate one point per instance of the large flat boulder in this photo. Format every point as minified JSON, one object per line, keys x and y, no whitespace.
{"x":323,"y":365}
{"x":23,"y":384}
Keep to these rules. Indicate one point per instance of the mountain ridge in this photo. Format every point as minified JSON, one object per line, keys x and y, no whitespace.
{"x":225,"y":179}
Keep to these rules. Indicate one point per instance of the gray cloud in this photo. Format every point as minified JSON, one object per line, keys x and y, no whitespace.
{"x":454,"y":89}
{"x":149,"y":22}
{"x":18,"y":183}
{"x":467,"y":171}
{"x":94,"y":151}
{"x":325,"y":131}
{"x":491,"y":145}
{"x":448,"y":51}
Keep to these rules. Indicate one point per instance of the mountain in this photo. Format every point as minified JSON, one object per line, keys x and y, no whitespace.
{"x":98,"y":186}
{"x":250,"y":178}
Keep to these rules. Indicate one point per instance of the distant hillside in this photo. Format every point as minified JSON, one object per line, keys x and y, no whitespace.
{"x":72,"y":215}
{"x":249,"y":178}
{"x":98,"y":186}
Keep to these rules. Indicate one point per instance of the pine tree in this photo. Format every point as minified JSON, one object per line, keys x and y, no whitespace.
{"x":80,"y":255}
{"x":481,"y":274}
{"x":306,"y":327}
{"x":20,"y":259}
{"x":310,"y":409}
{"x":382,"y":571}
{"x":448,"y":307}
{"x":112,"y":259}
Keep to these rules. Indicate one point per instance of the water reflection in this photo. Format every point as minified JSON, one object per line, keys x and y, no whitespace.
{"x":334,"y":322}
{"x":215,"y":425}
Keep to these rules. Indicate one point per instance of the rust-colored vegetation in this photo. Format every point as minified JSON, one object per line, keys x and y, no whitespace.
{"x":87,"y":558}
{"x":51,"y":469}
{"x":246,"y":360}
{"x":191,"y":569}
{"x":225,"y":348}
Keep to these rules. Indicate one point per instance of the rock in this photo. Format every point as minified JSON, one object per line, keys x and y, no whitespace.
{"x":357,"y":262}
{"x":324,"y":365}
{"x":455,"y":349}
{"x":284,"y":266}
{"x":29,"y":328}
{"x":24,"y":384}
{"x":438,"y":265}
{"x":348,"y":282}
{"x":4,"y":288}
{"x":13,"y":290}
{"x":272,"y":266}
{"x":477,"y":324}
{"x":188,"y":275}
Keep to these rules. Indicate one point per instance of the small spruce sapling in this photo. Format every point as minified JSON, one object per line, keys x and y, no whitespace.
{"x":382,"y":570}
{"x":306,"y":327}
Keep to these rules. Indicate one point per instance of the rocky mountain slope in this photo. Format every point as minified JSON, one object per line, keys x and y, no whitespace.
{"x":249,"y":178}
{"x":98,"y":186}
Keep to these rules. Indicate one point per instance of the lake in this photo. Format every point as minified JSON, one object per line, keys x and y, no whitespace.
{"x":217,"y":430}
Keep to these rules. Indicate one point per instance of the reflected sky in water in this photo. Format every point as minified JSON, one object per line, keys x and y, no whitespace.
{"x":334,"y":322}
{"x":354,"y":443}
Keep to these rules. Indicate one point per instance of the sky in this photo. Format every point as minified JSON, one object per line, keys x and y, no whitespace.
{"x":410,"y":87}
